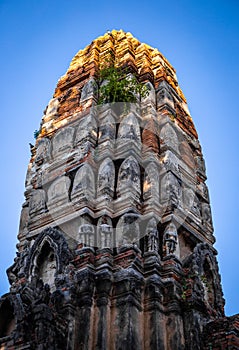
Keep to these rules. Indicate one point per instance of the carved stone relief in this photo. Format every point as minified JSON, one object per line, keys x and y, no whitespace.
{"x":46,"y":265}
{"x":107,"y":129}
{"x":62,"y":142}
{"x":86,"y":131}
{"x":43,"y":151}
{"x":164,"y":95}
{"x":129,"y":176}
{"x":129,"y":129}
{"x":84,"y":183}
{"x":152,"y":238}
{"x":118,"y":296}
{"x":170,"y":240}
{"x":170,"y":161}
{"x":58,"y":192}
{"x":171,"y":188}
{"x":127,"y":230}
{"x":191,"y":201}
{"x":106,"y":178}
{"x":151,"y":182}
{"x":105,"y":232}
{"x":56,"y":240}
{"x":86,"y":232}
{"x":18,"y":268}
{"x":37,"y":203}
{"x":205,"y":268}
{"x":197,"y":206}
{"x":169,"y":137}
{"x":89,"y":90}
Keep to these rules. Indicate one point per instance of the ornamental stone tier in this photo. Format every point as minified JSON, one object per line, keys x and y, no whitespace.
{"x":116,"y":239}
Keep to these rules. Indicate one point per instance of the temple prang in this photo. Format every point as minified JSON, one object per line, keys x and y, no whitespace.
{"x":116,"y":236}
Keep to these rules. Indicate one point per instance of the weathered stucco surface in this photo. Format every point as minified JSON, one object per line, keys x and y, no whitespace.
{"x":116,"y":239}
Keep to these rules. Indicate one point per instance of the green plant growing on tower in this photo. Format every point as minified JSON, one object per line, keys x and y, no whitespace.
{"x":116,"y":85}
{"x":36,"y":133}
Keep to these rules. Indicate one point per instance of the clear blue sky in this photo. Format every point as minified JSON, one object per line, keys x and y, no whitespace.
{"x":200,"y":39}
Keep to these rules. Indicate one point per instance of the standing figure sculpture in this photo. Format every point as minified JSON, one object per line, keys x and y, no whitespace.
{"x":170,"y":239}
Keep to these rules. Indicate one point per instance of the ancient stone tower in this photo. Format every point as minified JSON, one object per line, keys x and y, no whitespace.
{"x":116,"y":240}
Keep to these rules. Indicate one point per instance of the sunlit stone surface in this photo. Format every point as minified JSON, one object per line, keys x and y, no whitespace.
{"x":116,"y":239}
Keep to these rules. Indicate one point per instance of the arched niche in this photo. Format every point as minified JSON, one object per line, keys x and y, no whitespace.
{"x":169,"y":137}
{"x":45,"y":263}
{"x":7,"y":318}
{"x":86,"y":232}
{"x":86,"y":133}
{"x":188,"y":197}
{"x":170,"y":188}
{"x":208,"y":283}
{"x":107,"y":129}
{"x":171,"y":241}
{"x":84,"y":183}
{"x":43,"y":151}
{"x":151,"y":236}
{"x":164,"y":95}
{"x":191,"y":201}
{"x":62,"y":142}
{"x":128,"y":230}
{"x":106,"y":178}
{"x":129,"y":176}
{"x":129,"y":129}
{"x":49,"y":246}
{"x":151,"y":182}
{"x":170,"y":161}
{"x":104,"y":232}
{"x":204,"y":265}
{"x":58,"y":192}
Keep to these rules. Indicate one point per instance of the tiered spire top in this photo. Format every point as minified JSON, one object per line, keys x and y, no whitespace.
{"x":125,"y":50}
